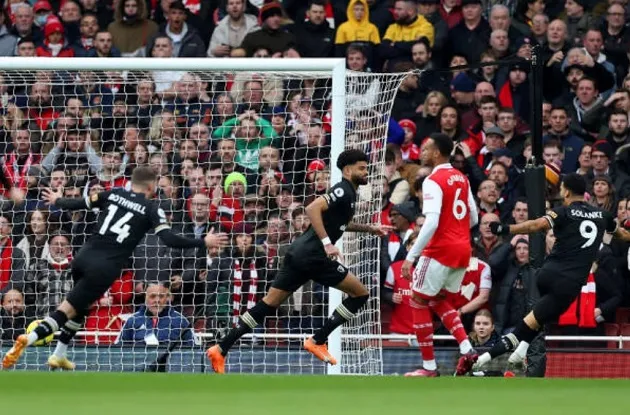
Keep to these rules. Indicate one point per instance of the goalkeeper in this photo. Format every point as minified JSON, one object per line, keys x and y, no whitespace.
{"x":313,"y":256}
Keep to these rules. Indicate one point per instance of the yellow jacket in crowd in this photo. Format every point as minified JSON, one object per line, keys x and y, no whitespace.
{"x":355,"y":30}
{"x":410,"y":33}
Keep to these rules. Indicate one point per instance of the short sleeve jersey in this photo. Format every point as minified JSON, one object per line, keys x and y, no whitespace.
{"x":579,"y":229}
{"x":446,"y":191}
{"x":124,"y":218}
{"x":341,"y":199}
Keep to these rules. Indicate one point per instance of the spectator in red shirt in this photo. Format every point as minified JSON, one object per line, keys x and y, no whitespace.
{"x":474,"y":292}
{"x":112,"y":174}
{"x":106,"y":314}
{"x":397,"y":292}
{"x":227,"y":210}
{"x":410,"y":150}
{"x":18,"y":161}
{"x":40,"y":105}
{"x":54,"y":43}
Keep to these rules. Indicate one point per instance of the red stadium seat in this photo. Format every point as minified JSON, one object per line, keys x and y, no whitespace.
{"x":623,"y":315}
{"x":625,"y":331}
{"x":611,"y":329}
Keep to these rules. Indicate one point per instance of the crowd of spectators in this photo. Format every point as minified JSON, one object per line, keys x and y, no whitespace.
{"x":246,"y":153}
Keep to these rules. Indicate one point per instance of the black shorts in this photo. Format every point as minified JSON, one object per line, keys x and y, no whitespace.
{"x":92,"y":278}
{"x":298,"y":269}
{"x":555,"y":281}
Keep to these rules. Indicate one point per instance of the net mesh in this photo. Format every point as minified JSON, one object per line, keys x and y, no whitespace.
{"x":240,"y":152}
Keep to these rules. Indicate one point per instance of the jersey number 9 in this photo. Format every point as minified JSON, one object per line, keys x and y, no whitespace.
{"x":588,"y":230}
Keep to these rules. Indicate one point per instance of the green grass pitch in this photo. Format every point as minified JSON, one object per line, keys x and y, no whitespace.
{"x":157,"y":394}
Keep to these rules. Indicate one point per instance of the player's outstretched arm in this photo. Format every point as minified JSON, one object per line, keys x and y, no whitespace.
{"x":55,"y":198}
{"x":378,"y":230}
{"x":527,"y":227}
{"x":212,"y":240}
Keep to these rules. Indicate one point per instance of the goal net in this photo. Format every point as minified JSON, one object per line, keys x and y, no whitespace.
{"x":240,"y":146}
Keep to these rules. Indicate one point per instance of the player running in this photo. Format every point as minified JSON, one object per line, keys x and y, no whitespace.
{"x":126,"y":216}
{"x":579,"y":229}
{"x":313,"y":256}
{"x":444,"y":241}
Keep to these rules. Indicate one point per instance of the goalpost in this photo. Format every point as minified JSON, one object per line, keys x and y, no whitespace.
{"x":311,"y":96}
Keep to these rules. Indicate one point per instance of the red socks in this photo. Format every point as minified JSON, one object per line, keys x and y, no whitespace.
{"x":449,"y":317}
{"x":423,"y":326}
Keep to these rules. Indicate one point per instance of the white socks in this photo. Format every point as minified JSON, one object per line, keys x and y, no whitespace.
{"x":483,"y":360}
{"x":519,"y":354}
{"x":429,"y":365}
{"x":32,"y":337}
{"x":60,"y":350}
{"x":465,"y":347}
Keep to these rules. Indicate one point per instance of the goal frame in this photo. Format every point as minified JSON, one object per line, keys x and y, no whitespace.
{"x":336,"y":66}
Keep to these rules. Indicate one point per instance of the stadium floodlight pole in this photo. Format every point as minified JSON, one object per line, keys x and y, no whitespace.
{"x":535,"y":181}
{"x":337,"y":145}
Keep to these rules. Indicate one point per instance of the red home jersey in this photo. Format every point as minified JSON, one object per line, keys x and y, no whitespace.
{"x":477,"y":277}
{"x":446,"y":191}
{"x":402,"y":316}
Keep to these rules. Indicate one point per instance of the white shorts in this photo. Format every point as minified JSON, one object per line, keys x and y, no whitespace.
{"x":430,"y":277}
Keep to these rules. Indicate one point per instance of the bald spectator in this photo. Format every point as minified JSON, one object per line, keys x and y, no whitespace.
{"x":23,"y":24}
{"x":400,"y":36}
{"x":131,"y":29}
{"x":499,"y":18}
{"x":232,"y":29}
{"x":40,"y":104}
{"x":487,"y":242}
{"x":271,"y":36}
{"x":186,"y":42}
{"x":157,"y":322}
{"x":617,"y":38}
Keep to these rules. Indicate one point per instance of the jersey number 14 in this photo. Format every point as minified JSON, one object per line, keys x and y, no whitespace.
{"x":120,"y":227}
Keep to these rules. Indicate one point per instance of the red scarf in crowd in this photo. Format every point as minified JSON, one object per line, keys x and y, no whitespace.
{"x":6,"y":261}
{"x":238,"y":286}
{"x":505,"y":96}
{"x":585,"y":303}
{"x":14,"y":173}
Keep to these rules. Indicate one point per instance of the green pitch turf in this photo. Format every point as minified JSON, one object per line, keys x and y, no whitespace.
{"x":157,"y":394}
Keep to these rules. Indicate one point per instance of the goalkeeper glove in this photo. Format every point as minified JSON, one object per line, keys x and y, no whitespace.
{"x":498,"y":228}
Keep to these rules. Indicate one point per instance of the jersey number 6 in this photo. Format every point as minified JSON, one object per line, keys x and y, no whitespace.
{"x":459,"y":206}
